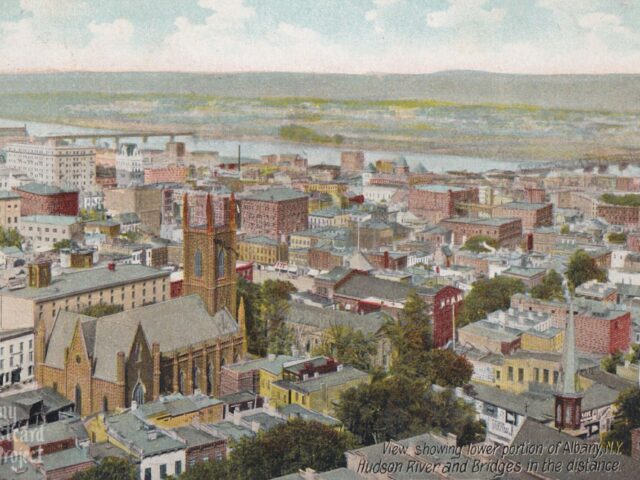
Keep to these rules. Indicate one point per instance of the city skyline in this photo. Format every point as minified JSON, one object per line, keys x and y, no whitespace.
{"x":360,"y":36}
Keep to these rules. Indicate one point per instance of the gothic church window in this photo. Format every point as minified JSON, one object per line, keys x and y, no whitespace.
{"x":198,"y":264}
{"x":138,"y":394}
{"x":220,"y":270}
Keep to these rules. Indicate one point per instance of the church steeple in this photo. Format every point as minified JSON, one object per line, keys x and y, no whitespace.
{"x":568,"y":397}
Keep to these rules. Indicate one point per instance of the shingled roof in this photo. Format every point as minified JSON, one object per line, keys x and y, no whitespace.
{"x":174,"y":324}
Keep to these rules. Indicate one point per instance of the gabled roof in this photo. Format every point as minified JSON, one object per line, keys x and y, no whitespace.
{"x":174,"y":324}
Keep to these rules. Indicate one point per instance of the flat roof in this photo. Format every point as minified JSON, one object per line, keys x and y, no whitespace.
{"x":50,"y":219}
{"x":275,"y":195}
{"x":82,"y":281}
{"x":439,"y":188}
{"x":523,"y":205}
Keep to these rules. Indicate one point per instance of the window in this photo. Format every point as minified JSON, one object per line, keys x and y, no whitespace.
{"x":536,"y":374}
{"x":197,"y":264}
{"x":555,"y":377}
{"x":138,"y":394}
{"x":545,"y":376}
{"x":220,"y":270}
{"x":78,"y":400}
{"x":511,"y":418}
{"x":510,"y":374}
{"x":163,"y":470}
{"x":105,"y":404}
{"x":178,"y":468}
{"x":520,"y":375}
{"x":210,"y":378}
{"x":147,"y":473}
{"x":181,"y":381}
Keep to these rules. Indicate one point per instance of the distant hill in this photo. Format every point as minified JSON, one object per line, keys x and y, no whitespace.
{"x":584,"y":92}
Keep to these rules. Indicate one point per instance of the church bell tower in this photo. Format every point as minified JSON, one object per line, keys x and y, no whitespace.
{"x":209,"y":256}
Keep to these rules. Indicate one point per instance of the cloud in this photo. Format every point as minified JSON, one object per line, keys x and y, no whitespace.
{"x":465,"y":12}
{"x":227,"y":13}
{"x":376,"y":15}
{"x":51,"y":8}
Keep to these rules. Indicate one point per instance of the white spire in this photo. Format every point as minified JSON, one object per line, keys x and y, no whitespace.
{"x":569,"y":370}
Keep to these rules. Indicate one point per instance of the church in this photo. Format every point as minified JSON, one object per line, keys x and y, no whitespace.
{"x":178,"y":345}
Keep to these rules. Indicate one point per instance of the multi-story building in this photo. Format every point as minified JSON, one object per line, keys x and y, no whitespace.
{"x":145,"y":201}
{"x":352,"y":161}
{"x":59,"y":165}
{"x":42,"y":232}
{"x":43,"y":296}
{"x":275,"y":213}
{"x":627,"y":216}
{"x":168,"y":174}
{"x":130,"y":165}
{"x":533,"y":215}
{"x":41,"y":199}
{"x":437,"y":202}
{"x":507,"y":232}
{"x":329,"y":217}
{"x":16,"y":356}
{"x":263,"y":250}
{"x":9,"y":209}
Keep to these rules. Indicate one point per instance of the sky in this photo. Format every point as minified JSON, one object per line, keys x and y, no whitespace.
{"x":337,"y":36}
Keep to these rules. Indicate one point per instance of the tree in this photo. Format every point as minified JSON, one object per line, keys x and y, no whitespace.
{"x":628,"y":418}
{"x":284,"y":449}
{"x":62,"y":244}
{"x":281,"y":340}
{"x":102,"y":309}
{"x":634,"y":355}
{"x":617,"y":238}
{"x":133,"y":236}
{"x":410,"y":335}
{"x":256,"y":338}
{"x":10,"y":237}
{"x":349,"y":346}
{"x":398,"y":407}
{"x":477,"y":244}
{"x":550,"y":288}
{"x":445,"y":368}
{"x":565,"y":230}
{"x":610,"y":363}
{"x":486,"y":296}
{"x":583,"y":268}
{"x":110,"y":468}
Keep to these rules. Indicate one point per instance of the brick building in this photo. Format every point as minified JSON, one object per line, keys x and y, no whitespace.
{"x":507,"y":232}
{"x":437,"y":202}
{"x":41,"y":199}
{"x":169,"y":174}
{"x":534,"y":195}
{"x":275,"y":212}
{"x":146,"y":202}
{"x":603,"y":331}
{"x":533,"y":215}
{"x":352,"y":161}
{"x":619,"y":215}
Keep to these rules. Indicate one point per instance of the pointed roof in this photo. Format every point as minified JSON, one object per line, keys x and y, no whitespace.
{"x":568,"y":386}
{"x":401,"y":161}
{"x":358,"y":261}
{"x":420,"y":168}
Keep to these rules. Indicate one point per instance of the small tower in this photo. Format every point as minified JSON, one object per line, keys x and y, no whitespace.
{"x":568,"y":397}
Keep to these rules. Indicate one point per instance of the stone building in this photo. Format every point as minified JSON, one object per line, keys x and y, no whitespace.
{"x":9,"y":209}
{"x":507,"y":232}
{"x":178,"y":345}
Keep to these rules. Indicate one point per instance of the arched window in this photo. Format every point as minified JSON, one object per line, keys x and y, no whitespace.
{"x":138,"y":393}
{"x":197,"y":262}
{"x":105,"y":404}
{"x":220,"y":267}
{"x":196,"y":378}
{"x":78,"y":400}
{"x":236,"y":358}
{"x":181,"y":381}
{"x":210,"y":378}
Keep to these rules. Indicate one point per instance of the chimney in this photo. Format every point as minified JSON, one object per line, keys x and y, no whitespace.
{"x":39,"y":274}
{"x":386,"y":259}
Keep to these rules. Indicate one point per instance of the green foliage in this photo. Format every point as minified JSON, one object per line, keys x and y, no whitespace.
{"x":444,"y":368}
{"x":9,"y":237}
{"x":627,"y":419}
{"x":627,"y":200}
{"x":61,"y":244}
{"x":475,"y":244}
{"x":133,"y":236}
{"x":583,"y":268}
{"x":266,"y":308}
{"x":550,"y":288}
{"x":110,"y":468}
{"x":284,"y":449}
{"x":102,"y":309}
{"x":398,"y":407}
{"x":488,"y":295}
{"x":410,"y":335}
{"x":91,"y":215}
{"x":298,"y":133}
{"x":617,"y":238}
{"x":634,"y":355}
{"x":565,"y":230}
{"x":349,"y":346}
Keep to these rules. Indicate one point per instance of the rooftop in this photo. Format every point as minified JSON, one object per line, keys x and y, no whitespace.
{"x":74,"y":283}
{"x":439,"y":188}
{"x":328,"y":380}
{"x":273,"y":365}
{"x":64,"y":220}
{"x":134,"y":430}
{"x":42,"y":189}
{"x":523,"y":206}
{"x":8,"y":194}
{"x":275,"y":195}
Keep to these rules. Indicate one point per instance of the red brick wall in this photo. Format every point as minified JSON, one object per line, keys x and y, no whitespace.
{"x":165,"y":175}
{"x":275,"y":219}
{"x":619,"y":215}
{"x":68,"y":472}
{"x":65,"y":203}
{"x":603,"y":336}
{"x":208,"y":452}
{"x":442,"y":316}
{"x":423,"y":202}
